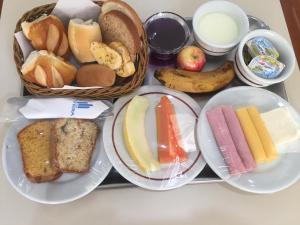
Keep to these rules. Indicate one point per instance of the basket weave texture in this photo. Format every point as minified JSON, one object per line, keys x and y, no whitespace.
{"x":121,"y":87}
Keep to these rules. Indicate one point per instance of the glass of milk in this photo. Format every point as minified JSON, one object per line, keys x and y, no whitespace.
{"x":219,"y":26}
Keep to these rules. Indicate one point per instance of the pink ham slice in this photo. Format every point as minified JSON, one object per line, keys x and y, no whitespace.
{"x":238,"y":138}
{"x":223,"y":137}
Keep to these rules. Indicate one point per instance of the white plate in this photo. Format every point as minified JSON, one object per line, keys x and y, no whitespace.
{"x":66,"y":188}
{"x":169,"y":176}
{"x":267,"y":178}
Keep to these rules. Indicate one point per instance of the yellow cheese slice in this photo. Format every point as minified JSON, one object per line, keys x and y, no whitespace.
{"x":263,"y":133}
{"x":251,"y":135}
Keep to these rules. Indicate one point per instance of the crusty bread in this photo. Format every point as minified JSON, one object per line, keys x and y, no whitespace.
{"x":116,"y":26}
{"x":48,"y":70}
{"x":35,"y":144}
{"x":106,"y":55}
{"x":75,"y":141}
{"x":95,"y":75}
{"x":81,"y":34}
{"x":121,"y":49}
{"x":47,"y":33}
{"x":127,"y":69}
{"x":124,"y":8}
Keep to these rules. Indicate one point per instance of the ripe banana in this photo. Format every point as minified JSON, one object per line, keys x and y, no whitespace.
{"x":196,"y":82}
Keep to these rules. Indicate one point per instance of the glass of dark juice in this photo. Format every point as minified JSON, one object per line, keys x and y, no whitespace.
{"x":167,"y":33}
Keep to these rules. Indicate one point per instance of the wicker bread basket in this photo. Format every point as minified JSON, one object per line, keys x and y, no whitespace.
{"x":121,"y":87}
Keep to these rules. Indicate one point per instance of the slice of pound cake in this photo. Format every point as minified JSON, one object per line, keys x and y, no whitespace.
{"x":74,"y":142}
{"x":35,"y":144}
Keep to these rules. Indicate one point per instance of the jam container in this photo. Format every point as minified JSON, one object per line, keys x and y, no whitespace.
{"x":167,"y":33}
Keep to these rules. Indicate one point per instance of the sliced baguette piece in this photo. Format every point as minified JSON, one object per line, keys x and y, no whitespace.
{"x":123,"y":7}
{"x":116,"y":26}
{"x":121,"y":49}
{"x":36,"y":149}
{"x":127,"y":69}
{"x":75,"y":140}
{"x":105,"y":55}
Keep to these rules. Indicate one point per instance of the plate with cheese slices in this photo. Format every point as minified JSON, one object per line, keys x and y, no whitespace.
{"x":150,"y":140}
{"x":54,"y":161}
{"x":250,"y":137}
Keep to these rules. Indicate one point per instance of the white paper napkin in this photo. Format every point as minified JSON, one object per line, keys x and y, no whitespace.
{"x":47,"y":108}
{"x":68,"y":9}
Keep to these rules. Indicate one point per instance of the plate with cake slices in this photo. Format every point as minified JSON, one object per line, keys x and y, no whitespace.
{"x":150,"y":140}
{"x":54,"y":161}
{"x":250,"y":137}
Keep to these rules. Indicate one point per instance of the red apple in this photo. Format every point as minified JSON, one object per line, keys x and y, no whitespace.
{"x":191,"y":58}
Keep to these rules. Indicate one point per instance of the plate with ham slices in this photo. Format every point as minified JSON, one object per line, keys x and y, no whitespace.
{"x":150,"y":140}
{"x":250,"y":137}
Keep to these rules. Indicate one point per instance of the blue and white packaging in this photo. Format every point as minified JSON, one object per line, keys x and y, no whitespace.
{"x":50,"y":108}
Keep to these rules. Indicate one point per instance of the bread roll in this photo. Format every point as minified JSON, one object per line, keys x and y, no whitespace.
{"x":123,"y":7}
{"x":116,"y":26}
{"x":81,"y":34}
{"x":95,"y":75}
{"x":47,"y":70}
{"x":47,"y":33}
